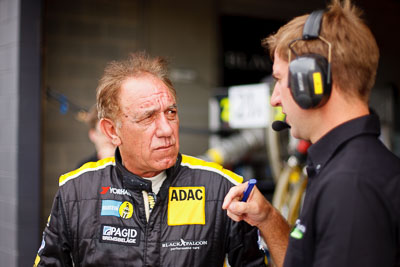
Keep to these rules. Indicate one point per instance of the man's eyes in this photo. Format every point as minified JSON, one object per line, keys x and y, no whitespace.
{"x":147,"y":118}
{"x":171,"y":113}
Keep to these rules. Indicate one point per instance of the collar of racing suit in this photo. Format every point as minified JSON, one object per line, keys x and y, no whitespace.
{"x":134,"y":182}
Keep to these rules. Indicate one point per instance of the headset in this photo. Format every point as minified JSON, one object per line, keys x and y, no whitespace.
{"x":310,"y":74}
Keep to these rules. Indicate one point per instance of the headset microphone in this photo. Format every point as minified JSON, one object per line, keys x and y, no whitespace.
{"x":280,"y":126}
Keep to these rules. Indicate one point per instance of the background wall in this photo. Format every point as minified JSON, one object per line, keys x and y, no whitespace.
{"x":8,"y":139}
{"x":20,"y":118}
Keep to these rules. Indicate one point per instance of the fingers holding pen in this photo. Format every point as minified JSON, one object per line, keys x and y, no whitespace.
{"x":234,"y":195}
{"x":235,"y":208}
{"x":238,"y":210}
{"x":254,"y":211}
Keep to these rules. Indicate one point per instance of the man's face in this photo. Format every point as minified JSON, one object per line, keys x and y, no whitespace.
{"x":149,"y":126}
{"x":281,"y":96}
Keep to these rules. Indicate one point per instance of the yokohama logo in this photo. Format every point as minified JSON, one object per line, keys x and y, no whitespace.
{"x":115,"y":191}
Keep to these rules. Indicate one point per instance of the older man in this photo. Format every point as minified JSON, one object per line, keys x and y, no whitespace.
{"x":150,"y":205}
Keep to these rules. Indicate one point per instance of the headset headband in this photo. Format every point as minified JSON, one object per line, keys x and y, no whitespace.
{"x":311,"y":30}
{"x":312,"y":26}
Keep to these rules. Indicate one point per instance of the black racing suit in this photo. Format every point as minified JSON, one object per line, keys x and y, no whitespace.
{"x":98,"y":219}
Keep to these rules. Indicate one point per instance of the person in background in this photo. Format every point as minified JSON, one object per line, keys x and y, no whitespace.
{"x":104,"y":147}
{"x":325,"y":65}
{"x":149,"y":205}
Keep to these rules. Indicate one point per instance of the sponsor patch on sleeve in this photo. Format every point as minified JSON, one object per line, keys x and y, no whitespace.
{"x":118,"y":234}
{"x":186,"y":205}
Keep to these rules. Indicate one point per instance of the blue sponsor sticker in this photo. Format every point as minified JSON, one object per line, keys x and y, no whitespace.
{"x":110,"y":207}
{"x":116,"y":208}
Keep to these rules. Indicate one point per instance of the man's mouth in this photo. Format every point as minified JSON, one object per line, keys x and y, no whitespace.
{"x":164,"y":147}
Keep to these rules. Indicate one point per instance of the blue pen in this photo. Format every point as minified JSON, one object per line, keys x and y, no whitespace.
{"x":247,"y":192}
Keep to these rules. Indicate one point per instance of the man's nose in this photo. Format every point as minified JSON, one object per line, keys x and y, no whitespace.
{"x":164,"y":127}
{"x":275,"y":99}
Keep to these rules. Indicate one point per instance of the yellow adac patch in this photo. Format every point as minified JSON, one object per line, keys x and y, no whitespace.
{"x":318,"y":90}
{"x":186,"y":205}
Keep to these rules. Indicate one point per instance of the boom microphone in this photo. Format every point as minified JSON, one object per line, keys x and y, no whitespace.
{"x":280,"y":126}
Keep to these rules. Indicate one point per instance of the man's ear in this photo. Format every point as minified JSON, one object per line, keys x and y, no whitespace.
{"x":109,"y":129}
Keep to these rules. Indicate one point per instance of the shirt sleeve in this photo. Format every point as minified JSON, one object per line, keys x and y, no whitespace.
{"x":243,"y":246}
{"x":353,"y":224}
{"x":55,"y":249}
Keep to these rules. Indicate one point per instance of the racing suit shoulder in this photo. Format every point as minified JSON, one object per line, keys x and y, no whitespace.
{"x":196,"y":163}
{"x":86,"y":168}
{"x":60,"y":237}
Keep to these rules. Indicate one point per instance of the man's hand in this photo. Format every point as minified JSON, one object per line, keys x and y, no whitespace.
{"x":257,"y":211}
{"x":254,"y":211}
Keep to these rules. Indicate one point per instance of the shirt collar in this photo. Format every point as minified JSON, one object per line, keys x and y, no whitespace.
{"x":136,"y":183}
{"x":321,"y":152}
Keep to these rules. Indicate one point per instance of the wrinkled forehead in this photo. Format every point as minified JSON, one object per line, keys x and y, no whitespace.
{"x":145,"y":92}
{"x":156,"y":100}
{"x":147,"y":84}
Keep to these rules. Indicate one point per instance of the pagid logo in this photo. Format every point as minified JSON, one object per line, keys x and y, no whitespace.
{"x":120,"y":234}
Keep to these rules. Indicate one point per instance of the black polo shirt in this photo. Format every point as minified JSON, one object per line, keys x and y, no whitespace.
{"x":351,"y":210}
